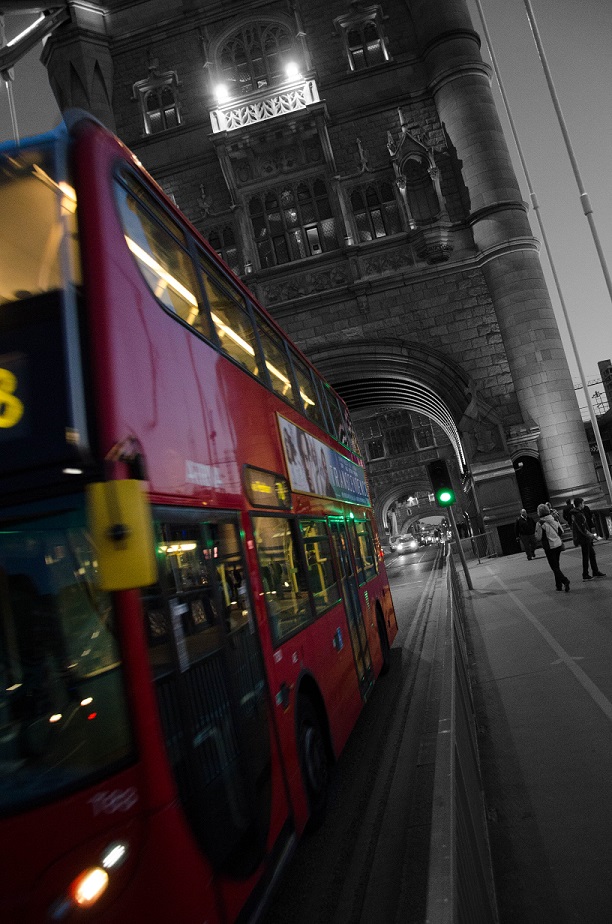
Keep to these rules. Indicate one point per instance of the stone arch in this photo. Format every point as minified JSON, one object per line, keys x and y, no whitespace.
{"x":413,"y":377}
{"x":398,"y":374}
{"x":530,"y":480}
{"x":423,"y":200}
{"x":266,"y":22}
{"x":387,"y":498}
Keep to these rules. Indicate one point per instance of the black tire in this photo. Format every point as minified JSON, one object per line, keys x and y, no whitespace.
{"x":385,"y":648}
{"x":314,"y":760}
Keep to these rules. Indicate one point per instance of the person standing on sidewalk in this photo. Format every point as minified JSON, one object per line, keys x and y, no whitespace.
{"x":548,"y":532}
{"x":525,"y":529}
{"x":584,"y":538}
{"x":568,"y":512}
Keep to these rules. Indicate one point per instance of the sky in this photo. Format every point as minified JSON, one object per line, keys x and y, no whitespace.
{"x":577,"y":40}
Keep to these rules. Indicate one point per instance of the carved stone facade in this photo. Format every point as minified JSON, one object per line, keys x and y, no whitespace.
{"x":348,"y":161}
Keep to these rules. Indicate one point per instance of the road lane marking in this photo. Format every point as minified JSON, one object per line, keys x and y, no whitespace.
{"x":583,"y":679}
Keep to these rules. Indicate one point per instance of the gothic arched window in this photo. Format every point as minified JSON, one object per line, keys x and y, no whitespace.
{"x":422,"y":197}
{"x":375,"y":210}
{"x":159,"y":101}
{"x":293,"y":221}
{"x":255,"y":57}
{"x":363,"y":37}
{"x":223,"y":240}
{"x":365,"y":45}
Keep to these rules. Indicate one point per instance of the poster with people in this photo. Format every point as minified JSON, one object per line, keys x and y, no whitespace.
{"x":315,"y":468}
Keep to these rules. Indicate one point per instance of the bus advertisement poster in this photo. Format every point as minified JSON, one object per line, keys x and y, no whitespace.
{"x":315,"y":468}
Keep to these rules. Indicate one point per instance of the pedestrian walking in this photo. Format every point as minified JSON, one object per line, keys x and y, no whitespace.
{"x":525,"y":534}
{"x":549,"y":533}
{"x":584,"y":538}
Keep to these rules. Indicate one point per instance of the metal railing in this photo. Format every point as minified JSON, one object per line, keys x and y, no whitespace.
{"x":460,"y":882}
{"x":478,"y":547}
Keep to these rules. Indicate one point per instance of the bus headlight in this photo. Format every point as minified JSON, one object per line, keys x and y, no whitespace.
{"x":91,"y":884}
{"x":87,"y":888}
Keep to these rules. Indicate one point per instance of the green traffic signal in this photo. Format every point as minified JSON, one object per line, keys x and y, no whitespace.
{"x":445,"y":497}
{"x":441,"y":483}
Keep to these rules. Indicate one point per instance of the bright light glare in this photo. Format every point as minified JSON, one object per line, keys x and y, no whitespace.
{"x":115,"y":854}
{"x":178,"y":547}
{"x":292,"y":70}
{"x":89,"y":886}
{"x":224,"y":329}
{"x":69,"y":199}
{"x":222,"y":93}
{"x":25,"y":31}
{"x":148,"y":260}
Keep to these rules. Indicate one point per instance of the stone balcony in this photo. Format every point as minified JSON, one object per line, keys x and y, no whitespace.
{"x":294,"y":96}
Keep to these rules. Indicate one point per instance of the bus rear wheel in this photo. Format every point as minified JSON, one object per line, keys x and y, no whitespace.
{"x":314,"y":762}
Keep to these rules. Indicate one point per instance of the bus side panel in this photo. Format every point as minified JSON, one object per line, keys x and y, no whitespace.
{"x":152,"y":884}
{"x":155,"y":378}
{"x":140,"y":394}
{"x":322,"y":652}
{"x":378,"y":594}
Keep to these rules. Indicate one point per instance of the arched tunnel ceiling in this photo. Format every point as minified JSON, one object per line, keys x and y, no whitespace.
{"x":400,"y":374}
{"x":400,"y":392}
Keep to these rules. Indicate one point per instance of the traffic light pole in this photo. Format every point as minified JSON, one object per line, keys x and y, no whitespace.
{"x":466,"y":570}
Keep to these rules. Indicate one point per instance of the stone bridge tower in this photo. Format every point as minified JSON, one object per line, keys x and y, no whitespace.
{"x":347,"y":160}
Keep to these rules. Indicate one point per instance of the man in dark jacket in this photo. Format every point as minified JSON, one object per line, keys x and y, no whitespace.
{"x":584,"y":538}
{"x":525,"y":530}
{"x":568,"y":511}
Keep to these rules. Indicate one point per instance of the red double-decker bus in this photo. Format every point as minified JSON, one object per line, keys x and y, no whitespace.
{"x":193,"y":602}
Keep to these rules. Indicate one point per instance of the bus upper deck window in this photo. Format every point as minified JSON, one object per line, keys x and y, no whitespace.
{"x":277,"y":361}
{"x":308,"y":393}
{"x":231,"y":318}
{"x":158,"y":243}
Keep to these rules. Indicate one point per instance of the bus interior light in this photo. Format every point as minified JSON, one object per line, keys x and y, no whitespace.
{"x":163,"y":275}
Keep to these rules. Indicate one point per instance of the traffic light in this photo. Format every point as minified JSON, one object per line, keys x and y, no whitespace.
{"x":441,"y":483}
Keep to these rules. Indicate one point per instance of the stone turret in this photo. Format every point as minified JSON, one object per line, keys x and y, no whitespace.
{"x":79,"y":63}
{"x":461,"y":84}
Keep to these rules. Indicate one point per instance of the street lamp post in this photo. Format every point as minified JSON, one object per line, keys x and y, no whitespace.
{"x":52,"y":15}
{"x":7,"y":77}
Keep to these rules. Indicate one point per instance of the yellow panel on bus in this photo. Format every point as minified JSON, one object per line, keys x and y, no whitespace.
{"x":121,"y":528}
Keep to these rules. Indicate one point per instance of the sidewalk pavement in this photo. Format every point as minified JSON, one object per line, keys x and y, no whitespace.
{"x":542,"y":675}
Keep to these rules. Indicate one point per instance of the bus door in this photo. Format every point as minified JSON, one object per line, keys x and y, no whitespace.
{"x":209,"y":678}
{"x":350,"y":591}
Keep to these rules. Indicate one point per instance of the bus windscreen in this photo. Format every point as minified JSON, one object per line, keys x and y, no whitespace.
{"x":39,"y":272}
{"x":62,"y":702}
{"x":37,"y":214}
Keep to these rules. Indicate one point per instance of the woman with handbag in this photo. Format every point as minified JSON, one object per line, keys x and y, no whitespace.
{"x":549,"y":533}
{"x":584,"y":538}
